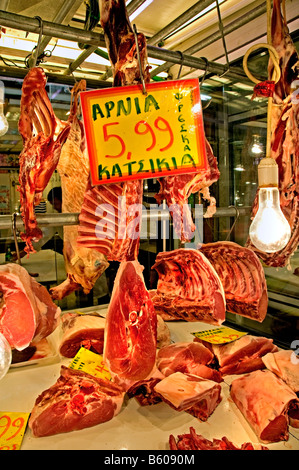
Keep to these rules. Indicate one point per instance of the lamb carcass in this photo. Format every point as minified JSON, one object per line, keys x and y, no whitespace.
{"x":76,"y":401}
{"x":27,"y":311}
{"x":285,"y":136}
{"x":190,"y":393}
{"x":242,"y":277}
{"x":188,"y":288}
{"x":121,"y":242}
{"x":43,"y":136}
{"x":83,"y":265}
{"x":266,"y":402}
{"x":177,"y":189}
{"x":131,"y":326}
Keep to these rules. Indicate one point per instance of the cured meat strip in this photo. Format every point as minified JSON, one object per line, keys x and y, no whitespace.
{"x":242,"y":355}
{"x":188,"y":288}
{"x":121,"y":243}
{"x":242,"y":277}
{"x":81,"y":331}
{"x":43,"y":136}
{"x":191,"y":358}
{"x":83,"y":265}
{"x":27,"y":311}
{"x":131,"y":326}
{"x":265,"y":401}
{"x":285,"y":136}
{"x":186,"y":392}
{"x":284,"y":363}
{"x":194,"y":441}
{"x":177,"y":189}
{"x":76,"y":401}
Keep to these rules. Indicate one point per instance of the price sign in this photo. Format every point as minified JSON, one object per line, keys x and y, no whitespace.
{"x":91,"y":363}
{"x":219,"y":335}
{"x":12,"y":429}
{"x":132,"y":135}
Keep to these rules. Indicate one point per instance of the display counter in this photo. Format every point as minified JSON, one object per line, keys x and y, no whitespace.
{"x":135,"y":427}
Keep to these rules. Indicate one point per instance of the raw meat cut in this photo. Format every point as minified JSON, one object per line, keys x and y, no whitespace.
{"x":107,"y":224}
{"x":43,"y":136}
{"x":83,"y":265}
{"x":117,"y":238}
{"x":242,"y":355}
{"x":194,"y":441}
{"x":144,"y":390}
{"x":242,"y":277}
{"x":265,"y":401}
{"x":131,"y":326}
{"x":285,"y":135}
{"x":191,"y":358}
{"x":188,"y":288}
{"x":177,"y":189}
{"x":284,"y":363}
{"x":76,"y":401}
{"x":81,"y":331}
{"x":27,"y":311}
{"x":186,"y":392}
{"x":163,"y":333}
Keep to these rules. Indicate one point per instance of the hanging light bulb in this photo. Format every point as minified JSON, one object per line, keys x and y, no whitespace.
{"x":3,"y":120}
{"x":269,"y":231}
{"x":5,"y":356}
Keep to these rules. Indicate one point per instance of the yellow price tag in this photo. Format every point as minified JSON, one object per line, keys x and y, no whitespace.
{"x":90,"y":362}
{"x":220,"y":335}
{"x":12,"y":429}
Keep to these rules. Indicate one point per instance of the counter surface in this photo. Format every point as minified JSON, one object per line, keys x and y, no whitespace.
{"x":135,"y":427}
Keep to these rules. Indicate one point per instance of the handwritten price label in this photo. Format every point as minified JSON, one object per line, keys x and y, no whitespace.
{"x":132,"y":135}
{"x":219,"y":335}
{"x":12,"y":429}
{"x":91,"y":363}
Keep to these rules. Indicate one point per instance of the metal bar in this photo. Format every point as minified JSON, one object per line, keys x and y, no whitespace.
{"x":57,"y":220}
{"x":179,"y":21}
{"x":25,"y":23}
{"x":244,"y":19}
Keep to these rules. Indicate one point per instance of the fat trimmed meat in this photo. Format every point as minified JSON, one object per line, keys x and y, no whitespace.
{"x":265,"y":401}
{"x":188,"y":288}
{"x":76,"y":401}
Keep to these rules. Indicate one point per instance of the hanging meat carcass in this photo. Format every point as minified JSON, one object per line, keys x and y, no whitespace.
{"x":120,"y":245}
{"x":131,"y":326}
{"x":83,"y":265}
{"x":285,"y":135}
{"x":177,"y":189}
{"x":43,"y":136}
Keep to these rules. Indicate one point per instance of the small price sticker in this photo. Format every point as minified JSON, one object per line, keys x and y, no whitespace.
{"x":90,"y":362}
{"x":12,"y":429}
{"x":220,"y":335}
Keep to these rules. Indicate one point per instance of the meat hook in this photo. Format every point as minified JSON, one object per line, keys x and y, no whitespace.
{"x":235,"y":221}
{"x":139,"y":60}
{"x":14,"y":230}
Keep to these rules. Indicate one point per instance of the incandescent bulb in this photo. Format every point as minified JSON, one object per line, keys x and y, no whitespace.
{"x":3,"y":120}
{"x":5,"y":356}
{"x":269,"y":231}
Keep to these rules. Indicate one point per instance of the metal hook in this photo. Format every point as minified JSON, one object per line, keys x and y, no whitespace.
{"x":235,"y":221}
{"x":223,"y":39}
{"x":14,"y":231}
{"x":182,"y":60}
{"x":139,"y":60}
{"x":39,"y":40}
{"x":205,"y":72}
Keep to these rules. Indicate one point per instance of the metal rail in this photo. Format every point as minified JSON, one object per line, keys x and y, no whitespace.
{"x":32,"y":25}
{"x":57,"y":220}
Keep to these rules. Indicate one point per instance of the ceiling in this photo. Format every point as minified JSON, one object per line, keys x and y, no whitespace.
{"x":164,"y":22}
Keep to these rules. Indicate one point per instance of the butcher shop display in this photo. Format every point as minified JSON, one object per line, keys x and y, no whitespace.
{"x":188,"y":288}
